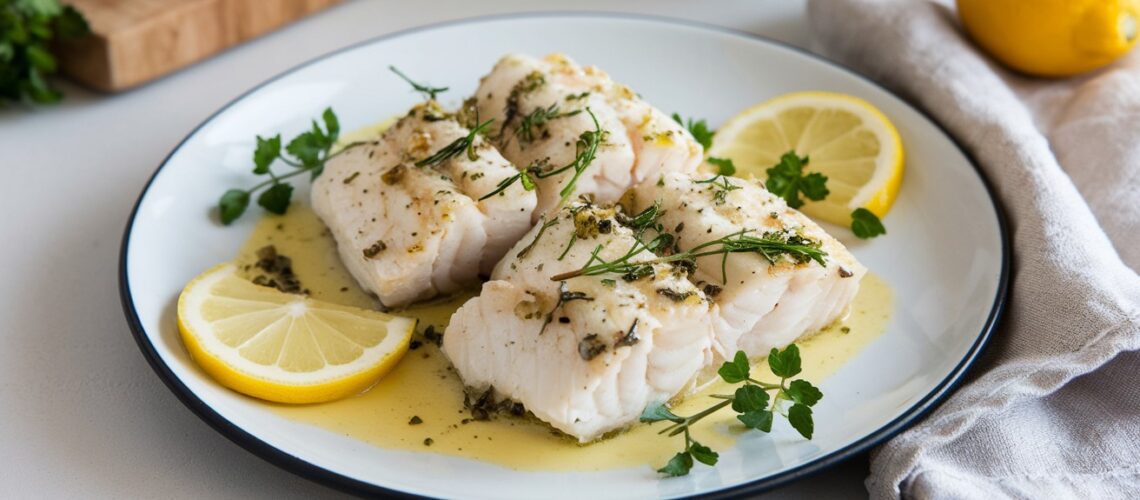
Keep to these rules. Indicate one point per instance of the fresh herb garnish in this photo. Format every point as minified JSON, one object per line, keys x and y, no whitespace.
{"x":700,"y":130}
{"x":643,"y":220}
{"x":307,"y":153}
{"x":754,"y":407}
{"x":787,"y":180}
{"x":724,"y":166}
{"x":465,"y":143}
{"x":427,"y":90}
{"x":27,"y":30}
{"x":564,"y":296}
{"x":531,"y":82}
{"x":721,"y":186}
{"x":771,"y":246}
{"x":587,"y":149}
{"x":865,"y":224}
{"x":538,"y":118}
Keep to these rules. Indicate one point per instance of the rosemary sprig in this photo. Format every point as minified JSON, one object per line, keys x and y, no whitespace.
{"x":755,"y":408}
{"x":769,"y":245}
{"x":427,"y":90}
{"x":465,"y":143}
{"x":587,"y":150}
{"x":538,"y":118}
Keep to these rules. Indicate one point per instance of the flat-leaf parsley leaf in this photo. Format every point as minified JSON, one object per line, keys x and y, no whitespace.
{"x":724,"y":165}
{"x":306,"y":153}
{"x":28,"y":29}
{"x":787,"y":180}
{"x":699,"y":128}
{"x":865,"y":224}
{"x":755,"y":408}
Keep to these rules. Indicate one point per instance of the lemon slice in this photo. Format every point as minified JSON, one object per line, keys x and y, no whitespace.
{"x":845,"y":138}
{"x":283,"y":347}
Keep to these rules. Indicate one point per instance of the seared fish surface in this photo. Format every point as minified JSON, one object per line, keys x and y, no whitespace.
{"x":589,"y":353}
{"x":760,"y":304}
{"x":542,"y":107}
{"x":409,"y":232}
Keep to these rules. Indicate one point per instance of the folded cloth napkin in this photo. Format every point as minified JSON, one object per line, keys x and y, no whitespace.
{"x":1053,"y":408}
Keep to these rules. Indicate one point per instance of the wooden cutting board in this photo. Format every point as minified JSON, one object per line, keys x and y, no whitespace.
{"x":135,"y":41}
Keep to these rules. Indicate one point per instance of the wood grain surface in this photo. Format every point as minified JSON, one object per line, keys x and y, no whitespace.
{"x":135,"y":41}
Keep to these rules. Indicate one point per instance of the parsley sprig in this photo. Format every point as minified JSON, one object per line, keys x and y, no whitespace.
{"x":770,"y":245}
{"x":754,"y":407}
{"x":586,"y":151}
{"x":306,"y":153}
{"x":699,"y":128}
{"x":788,"y":181}
{"x":27,"y":30}
{"x":428,"y":91}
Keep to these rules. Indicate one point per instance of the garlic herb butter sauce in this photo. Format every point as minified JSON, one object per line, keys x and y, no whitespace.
{"x":423,"y":385}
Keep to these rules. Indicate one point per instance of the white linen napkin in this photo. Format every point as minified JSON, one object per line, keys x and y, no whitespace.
{"x":1053,"y":408}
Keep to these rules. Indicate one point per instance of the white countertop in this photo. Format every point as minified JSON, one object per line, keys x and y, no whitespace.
{"x":81,"y":412}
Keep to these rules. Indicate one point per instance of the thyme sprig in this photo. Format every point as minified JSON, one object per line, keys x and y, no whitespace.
{"x":770,"y":245}
{"x":755,"y":408}
{"x":465,"y":143}
{"x":428,"y":91}
{"x":586,"y":151}
{"x":307,"y":153}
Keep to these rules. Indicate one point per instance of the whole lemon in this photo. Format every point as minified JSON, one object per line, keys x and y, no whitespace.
{"x":1052,"y":37}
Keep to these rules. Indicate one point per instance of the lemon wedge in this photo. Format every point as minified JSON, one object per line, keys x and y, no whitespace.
{"x":845,"y":138}
{"x":283,"y":347}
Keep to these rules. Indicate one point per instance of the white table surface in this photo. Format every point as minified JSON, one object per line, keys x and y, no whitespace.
{"x":81,"y":412}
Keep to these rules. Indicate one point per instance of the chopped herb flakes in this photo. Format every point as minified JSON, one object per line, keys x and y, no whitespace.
{"x":629,"y":337}
{"x":590,"y":347}
{"x":278,"y":271}
{"x":393,"y":175}
{"x":375,"y":249}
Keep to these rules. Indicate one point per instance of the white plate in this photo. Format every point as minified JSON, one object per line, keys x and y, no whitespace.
{"x":946,"y":255}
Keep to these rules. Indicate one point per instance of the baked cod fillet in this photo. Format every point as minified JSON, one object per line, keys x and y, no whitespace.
{"x":542,"y":107}
{"x":760,"y":304}
{"x":409,"y":232}
{"x":589,"y":353}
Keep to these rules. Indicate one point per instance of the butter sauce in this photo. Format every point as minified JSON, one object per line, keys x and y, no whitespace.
{"x":424,"y":385}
